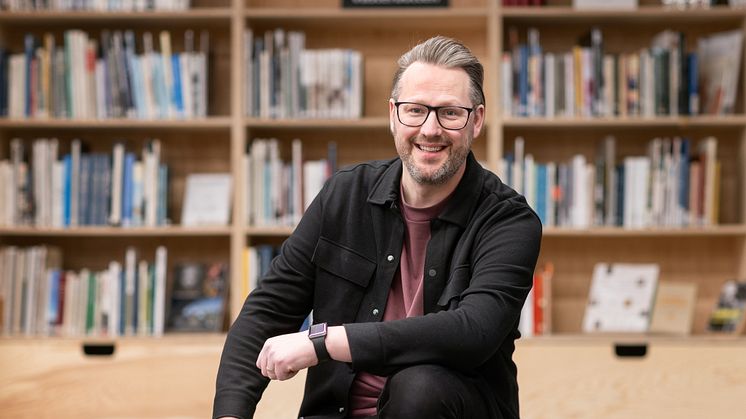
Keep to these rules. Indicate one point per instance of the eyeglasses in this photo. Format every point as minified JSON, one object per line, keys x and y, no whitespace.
{"x":449,"y":117}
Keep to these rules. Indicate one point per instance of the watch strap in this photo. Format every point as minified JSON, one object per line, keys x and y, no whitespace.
{"x":319,"y":345}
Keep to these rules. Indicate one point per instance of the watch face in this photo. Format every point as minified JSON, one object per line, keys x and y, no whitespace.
{"x":317,"y":330}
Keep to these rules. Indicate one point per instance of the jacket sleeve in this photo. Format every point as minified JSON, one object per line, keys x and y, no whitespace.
{"x":277,"y":306}
{"x":503,"y":262}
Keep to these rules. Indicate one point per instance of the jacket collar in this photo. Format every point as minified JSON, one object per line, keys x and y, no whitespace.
{"x":461,"y":203}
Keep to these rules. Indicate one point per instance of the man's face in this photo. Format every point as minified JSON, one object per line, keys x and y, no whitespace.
{"x":432,"y":154}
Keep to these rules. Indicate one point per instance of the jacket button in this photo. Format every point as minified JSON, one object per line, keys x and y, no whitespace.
{"x":341,"y":410}
{"x":432,"y":272}
{"x":375,"y":311}
{"x":390,"y":258}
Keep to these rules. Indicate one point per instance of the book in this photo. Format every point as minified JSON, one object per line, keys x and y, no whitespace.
{"x":198,"y":297}
{"x":621,"y":298}
{"x":673,"y":312}
{"x":207,"y":200}
{"x":728,"y":316}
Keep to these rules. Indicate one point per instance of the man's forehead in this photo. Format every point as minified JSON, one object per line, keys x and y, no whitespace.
{"x":423,"y":76}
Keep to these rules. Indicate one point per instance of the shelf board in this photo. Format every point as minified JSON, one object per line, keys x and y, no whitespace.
{"x":212,"y":122}
{"x":631,"y":338}
{"x":637,"y":122}
{"x":650,"y":13}
{"x":722,"y":230}
{"x":359,"y":123}
{"x":269,"y":231}
{"x":167,"y":338}
{"x":46,"y":16}
{"x":172,"y":231}
{"x":321,"y":13}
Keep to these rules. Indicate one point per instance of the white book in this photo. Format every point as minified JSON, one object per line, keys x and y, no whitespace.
{"x":165,"y":56}
{"x":207,"y":199}
{"x":130,"y":278}
{"x":114,"y":273}
{"x":297,"y":181}
{"x":143,"y":298}
{"x":621,"y":298}
{"x":549,"y":85}
{"x":159,"y":294}
{"x":581,"y":194}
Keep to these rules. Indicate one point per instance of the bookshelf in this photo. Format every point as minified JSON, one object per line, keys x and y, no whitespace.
{"x":706,"y":256}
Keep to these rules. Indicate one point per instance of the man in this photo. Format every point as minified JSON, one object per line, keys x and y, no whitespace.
{"x":416,"y":270}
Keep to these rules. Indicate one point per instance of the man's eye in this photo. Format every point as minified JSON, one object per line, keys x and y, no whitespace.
{"x":416,"y":110}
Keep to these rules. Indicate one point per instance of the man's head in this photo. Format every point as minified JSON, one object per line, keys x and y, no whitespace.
{"x":436,"y":109}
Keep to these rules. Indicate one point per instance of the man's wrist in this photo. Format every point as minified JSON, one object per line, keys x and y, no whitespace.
{"x":337,"y":344}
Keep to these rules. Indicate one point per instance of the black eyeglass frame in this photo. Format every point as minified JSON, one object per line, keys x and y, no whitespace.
{"x":436,"y":109}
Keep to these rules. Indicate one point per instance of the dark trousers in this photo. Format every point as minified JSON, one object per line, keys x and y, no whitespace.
{"x":434,"y":392}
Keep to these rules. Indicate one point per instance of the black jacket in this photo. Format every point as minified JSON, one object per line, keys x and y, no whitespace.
{"x":340,"y":261}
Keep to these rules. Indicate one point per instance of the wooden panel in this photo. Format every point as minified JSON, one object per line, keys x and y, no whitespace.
{"x":143,"y":379}
{"x":587,"y":381}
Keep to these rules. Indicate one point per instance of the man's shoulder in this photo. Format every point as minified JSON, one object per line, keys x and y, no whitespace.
{"x":365,"y":172}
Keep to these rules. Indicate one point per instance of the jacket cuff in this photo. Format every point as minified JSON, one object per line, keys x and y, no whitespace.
{"x":366,"y":347}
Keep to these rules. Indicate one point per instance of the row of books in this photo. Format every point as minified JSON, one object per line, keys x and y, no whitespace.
{"x":95,"y":5}
{"x":41,"y":298}
{"x":87,"y":78}
{"x":133,"y":297}
{"x":675,"y":184}
{"x":284,"y":79}
{"x":661,"y":80}
{"x":83,"y":189}
{"x":279,"y":191}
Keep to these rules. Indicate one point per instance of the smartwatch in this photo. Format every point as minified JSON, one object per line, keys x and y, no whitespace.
{"x":317,"y":334}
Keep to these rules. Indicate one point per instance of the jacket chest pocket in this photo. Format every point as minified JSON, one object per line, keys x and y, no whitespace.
{"x":457,"y":284}
{"x":342,"y":276}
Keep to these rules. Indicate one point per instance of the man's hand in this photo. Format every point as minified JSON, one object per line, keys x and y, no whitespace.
{"x":283,"y":356}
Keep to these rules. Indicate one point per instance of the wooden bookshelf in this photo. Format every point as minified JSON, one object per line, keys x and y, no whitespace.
{"x":706,"y":256}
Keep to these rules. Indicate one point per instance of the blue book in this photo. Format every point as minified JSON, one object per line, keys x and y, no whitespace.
{"x":3,"y":82}
{"x":162,"y":195}
{"x":66,"y":179}
{"x":129,"y":161}
{"x":541,"y":192}
{"x":692,"y":65}
{"x":684,"y":175}
{"x":53,"y":305}
{"x":523,"y":89}
{"x":176,"y":93}
{"x":29,"y":44}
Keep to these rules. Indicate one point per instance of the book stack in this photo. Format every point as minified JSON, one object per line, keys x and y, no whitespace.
{"x":662,"y":80}
{"x":675,"y":184}
{"x":83,"y":189}
{"x":95,"y":5}
{"x":40,"y":298}
{"x":286,"y":80}
{"x":86,"y":78}
{"x":278,"y":192}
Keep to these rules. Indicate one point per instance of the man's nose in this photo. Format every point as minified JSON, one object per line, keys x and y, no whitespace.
{"x":431,"y":127}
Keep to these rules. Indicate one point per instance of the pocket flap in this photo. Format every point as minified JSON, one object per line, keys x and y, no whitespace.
{"x":343,"y":262}
{"x":457,"y":283}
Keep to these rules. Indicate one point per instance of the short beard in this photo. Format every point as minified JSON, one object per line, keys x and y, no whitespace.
{"x":444,"y":173}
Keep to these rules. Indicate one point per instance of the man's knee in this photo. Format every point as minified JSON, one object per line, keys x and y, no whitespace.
{"x":422,"y":391}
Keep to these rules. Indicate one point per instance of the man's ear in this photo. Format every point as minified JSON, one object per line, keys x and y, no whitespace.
{"x":392,"y":115}
{"x":478,"y":120}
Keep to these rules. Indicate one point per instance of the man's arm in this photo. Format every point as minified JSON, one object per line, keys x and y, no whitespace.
{"x":278,"y":306}
{"x":465,"y":337}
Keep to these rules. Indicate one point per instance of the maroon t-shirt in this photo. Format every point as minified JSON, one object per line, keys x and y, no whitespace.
{"x":404,"y":300}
